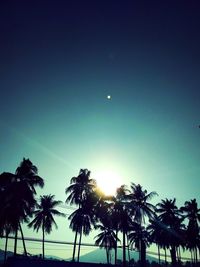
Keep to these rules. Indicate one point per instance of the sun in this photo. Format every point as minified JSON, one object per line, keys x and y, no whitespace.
{"x":108,"y":181}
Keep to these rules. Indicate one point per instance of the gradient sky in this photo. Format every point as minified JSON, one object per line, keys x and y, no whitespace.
{"x":58,"y":62}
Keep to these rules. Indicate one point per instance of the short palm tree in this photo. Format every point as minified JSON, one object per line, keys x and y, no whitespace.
{"x":121,"y":217}
{"x":44,"y":216}
{"x":155,"y":234}
{"x":169,"y":216}
{"x":192,"y":213}
{"x":83,"y":219}
{"x":106,"y":239}
{"x":139,"y":237}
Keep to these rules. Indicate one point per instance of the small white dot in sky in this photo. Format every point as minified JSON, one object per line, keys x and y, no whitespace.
{"x":109,"y":97}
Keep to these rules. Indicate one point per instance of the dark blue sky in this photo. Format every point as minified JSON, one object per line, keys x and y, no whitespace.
{"x":58,"y":62}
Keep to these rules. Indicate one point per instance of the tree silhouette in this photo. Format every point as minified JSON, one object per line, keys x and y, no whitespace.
{"x":83,"y":218}
{"x":140,"y":209}
{"x":120,"y":213}
{"x":44,"y":216}
{"x":156,"y":234}
{"x":81,"y":187}
{"x":139,"y":236}
{"x":192,"y":213}
{"x":171,"y":222}
{"x":106,"y":239}
{"x":17,"y":203}
{"x":28,"y":173}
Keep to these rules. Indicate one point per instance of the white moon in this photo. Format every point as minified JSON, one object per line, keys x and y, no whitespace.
{"x":108,"y":97}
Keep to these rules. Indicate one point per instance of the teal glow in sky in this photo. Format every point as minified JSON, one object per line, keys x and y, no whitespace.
{"x":60,"y":62}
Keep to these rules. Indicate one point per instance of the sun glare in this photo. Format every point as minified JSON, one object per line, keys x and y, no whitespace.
{"x":108,"y":182}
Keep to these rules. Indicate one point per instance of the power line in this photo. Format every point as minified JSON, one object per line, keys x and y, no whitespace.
{"x":83,"y":244}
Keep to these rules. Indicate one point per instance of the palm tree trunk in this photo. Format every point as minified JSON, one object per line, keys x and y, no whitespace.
{"x":15,"y":244}
{"x":191,"y":256}
{"x":43,"y":240}
{"x":165,"y":256}
{"x":74,"y":249}
{"x":124,"y":248}
{"x":79,"y":247}
{"x":129,"y":256}
{"x":140,"y":251}
{"x":195,"y":253}
{"x":177,"y":254}
{"x":23,"y":241}
{"x":143,"y":254}
{"x":6,"y":246}
{"x":116,"y":247}
{"x":173,"y":255}
{"x":107,"y":254}
{"x":180,"y":253}
{"x":159,"y":254}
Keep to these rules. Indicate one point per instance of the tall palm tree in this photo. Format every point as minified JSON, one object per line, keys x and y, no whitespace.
{"x":169,"y":216}
{"x":106,"y":239}
{"x":44,"y":216}
{"x":80,"y":188}
{"x":17,"y":203}
{"x":192,"y":213}
{"x":19,"y":200}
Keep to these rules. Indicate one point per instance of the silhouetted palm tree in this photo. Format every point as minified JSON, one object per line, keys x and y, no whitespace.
{"x":83,"y":218}
{"x":192,"y":213}
{"x":28,"y":173}
{"x":169,"y":216}
{"x":17,"y":203}
{"x":80,"y":188}
{"x":121,"y":217}
{"x":140,"y":208}
{"x":44,"y":216}
{"x":139,"y":204}
{"x":106,"y":239}
{"x":139,"y":236}
{"x":155,"y":234}
{"x":19,"y":191}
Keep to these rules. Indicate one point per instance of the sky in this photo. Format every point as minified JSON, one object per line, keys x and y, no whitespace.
{"x":59,"y":60}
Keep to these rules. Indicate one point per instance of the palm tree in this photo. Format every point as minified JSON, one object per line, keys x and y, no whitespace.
{"x":192,"y":213}
{"x":106,"y":239}
{"x":139,"y":236}
{"x":44,"y":216}
{"x":19,"y":191}
{"x":29,"y":173}
{"x":140,"y":208}
{"x":78,"y":191}
{"x":156,"y":234}
{"x":82,"y":219}
{"x":171,"y":223}
{"x":121,"y":217}
{"x":17,"y":203}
